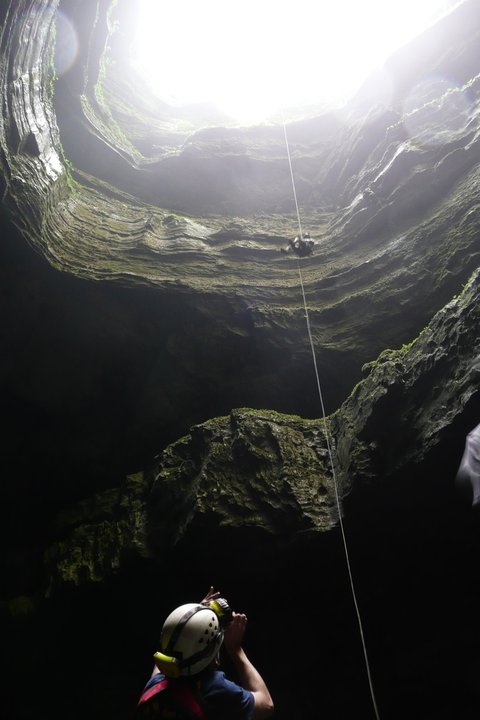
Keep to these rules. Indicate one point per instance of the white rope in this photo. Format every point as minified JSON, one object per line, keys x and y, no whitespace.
{"x":291,"y":175}
{"x":329,"y":448}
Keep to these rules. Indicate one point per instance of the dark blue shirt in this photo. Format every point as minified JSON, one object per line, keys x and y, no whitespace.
{"x":221,"y":699}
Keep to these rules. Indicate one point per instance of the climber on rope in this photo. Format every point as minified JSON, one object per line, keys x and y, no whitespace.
{"x":302,"y":245}
{"x":186,"y":683}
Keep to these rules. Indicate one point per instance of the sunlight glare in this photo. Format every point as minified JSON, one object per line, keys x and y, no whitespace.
{"x":256,"y":57}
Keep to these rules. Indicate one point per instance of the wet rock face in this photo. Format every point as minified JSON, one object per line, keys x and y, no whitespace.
{"x":252,"y":471}
{"x":272,"y":474}
{"x":144,"y":292}
{"x":106,"y":186}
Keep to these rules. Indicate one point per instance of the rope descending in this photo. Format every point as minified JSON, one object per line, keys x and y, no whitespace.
{"x":329,"y":445}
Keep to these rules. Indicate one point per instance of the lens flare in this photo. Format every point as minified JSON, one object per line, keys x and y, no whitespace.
{"x":41,"y":20}
{"x":66,"y":46}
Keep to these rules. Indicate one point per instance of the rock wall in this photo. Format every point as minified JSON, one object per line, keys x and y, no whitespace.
{"x":145,"y":292}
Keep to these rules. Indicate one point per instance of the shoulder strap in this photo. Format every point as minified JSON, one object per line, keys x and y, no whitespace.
{"x":182,"y":695}
{"x":153,"y":690}
{"x":186,"y":699}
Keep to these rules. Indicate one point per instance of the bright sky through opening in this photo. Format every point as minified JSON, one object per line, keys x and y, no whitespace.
{"x":255,"y":57}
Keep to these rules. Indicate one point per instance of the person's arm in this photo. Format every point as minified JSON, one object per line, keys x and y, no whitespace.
{"x":248,"y":676}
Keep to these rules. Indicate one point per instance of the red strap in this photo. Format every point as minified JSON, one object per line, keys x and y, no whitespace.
{"x":153,"y":690}
{"x":184,"y":695}
{"x":181,"y":692}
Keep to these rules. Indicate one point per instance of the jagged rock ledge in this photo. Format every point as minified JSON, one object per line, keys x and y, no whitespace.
{"x":261,"y":471}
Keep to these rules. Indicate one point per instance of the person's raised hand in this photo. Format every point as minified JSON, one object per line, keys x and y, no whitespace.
{"x":211,"y":595}
{"x":234,"y":633}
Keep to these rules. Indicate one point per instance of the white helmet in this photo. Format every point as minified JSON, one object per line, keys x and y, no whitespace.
{"x":190,"y":639}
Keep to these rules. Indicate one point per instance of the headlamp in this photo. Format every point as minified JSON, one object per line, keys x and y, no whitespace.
{"x":222,"y":610}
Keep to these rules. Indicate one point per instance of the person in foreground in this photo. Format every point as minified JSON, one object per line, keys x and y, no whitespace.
{"x":186,"y":682}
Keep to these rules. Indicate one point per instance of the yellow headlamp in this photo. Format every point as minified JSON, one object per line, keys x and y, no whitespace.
{"x":222,"y":610}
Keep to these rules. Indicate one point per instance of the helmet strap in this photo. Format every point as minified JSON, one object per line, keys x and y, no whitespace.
{"x":180,"y":625}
